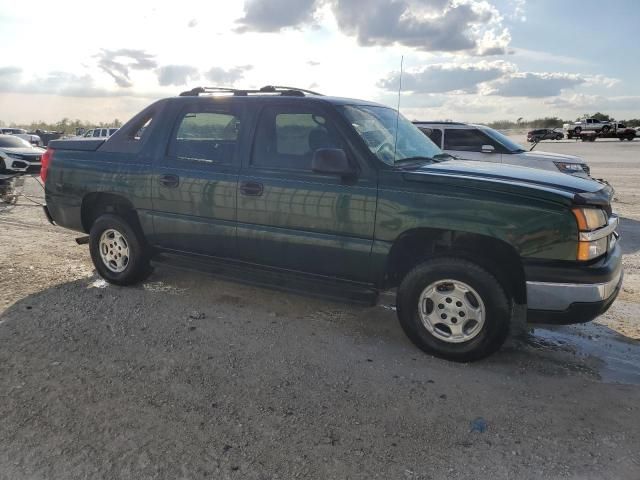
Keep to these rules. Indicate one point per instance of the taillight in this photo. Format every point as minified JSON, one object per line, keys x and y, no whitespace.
{"x":45,"y":161}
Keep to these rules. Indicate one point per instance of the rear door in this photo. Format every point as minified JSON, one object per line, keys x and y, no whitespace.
{"x":467,"y":143}
{"x":194,"y":185}
{"x":292,"y":218}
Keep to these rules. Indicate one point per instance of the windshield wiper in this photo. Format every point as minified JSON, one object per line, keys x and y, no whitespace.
{"x":410,"y":162}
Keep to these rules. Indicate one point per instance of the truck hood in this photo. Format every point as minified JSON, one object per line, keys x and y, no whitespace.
{"x":555,"y":157}
{"x":513,"y":179}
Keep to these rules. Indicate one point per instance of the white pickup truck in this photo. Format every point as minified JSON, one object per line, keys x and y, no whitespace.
{"x":586,"y":125}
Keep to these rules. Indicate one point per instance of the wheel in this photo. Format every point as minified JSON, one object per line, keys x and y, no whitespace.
{"x":605,"y":129}
{"x":577,"y":130}
{"x":558,"y":137}
{"x":621,"y":139}
{"x":592,"y":138}
{"x":453,"y":309}
{"x":118,"y":250}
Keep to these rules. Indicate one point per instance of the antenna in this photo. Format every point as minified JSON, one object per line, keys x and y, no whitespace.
{"x":395,"y":142}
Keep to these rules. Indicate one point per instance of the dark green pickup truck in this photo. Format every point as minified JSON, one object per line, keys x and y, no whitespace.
{"x":342,"y":194}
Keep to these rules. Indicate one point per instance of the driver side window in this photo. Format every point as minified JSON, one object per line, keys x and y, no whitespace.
{"x":466,"y":140}
{"x":287,"y":137}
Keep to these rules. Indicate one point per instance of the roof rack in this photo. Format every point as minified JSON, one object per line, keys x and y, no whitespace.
{"x":269,"y":89}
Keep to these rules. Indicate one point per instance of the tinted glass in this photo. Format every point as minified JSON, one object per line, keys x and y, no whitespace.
{"x":466,"y":140}
{"x":434,"y":134}
{"x":287,"y":138}
{"x":208,"y":136}
{"x":96,"y":133}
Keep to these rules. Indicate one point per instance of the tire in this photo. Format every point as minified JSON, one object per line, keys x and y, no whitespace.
{"x":605,"y":129}
{"x":577,"y":130}
{"x":558,"y":137}
{"x":592,"y":138}
{"x":110,"y":237}
{"x":414,"y":302}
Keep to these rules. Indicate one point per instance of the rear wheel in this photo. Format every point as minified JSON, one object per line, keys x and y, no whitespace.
{"x":605,"y":129}
{"x":118,"y":250}
{"x":577,"y":130}
{"x":454,"y":309}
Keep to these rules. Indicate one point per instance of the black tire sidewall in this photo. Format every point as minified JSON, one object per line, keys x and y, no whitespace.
{"x":138,"y":266}
{"x":497,"y":305}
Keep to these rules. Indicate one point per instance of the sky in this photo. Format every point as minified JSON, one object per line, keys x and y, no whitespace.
{"x":464,"y":60}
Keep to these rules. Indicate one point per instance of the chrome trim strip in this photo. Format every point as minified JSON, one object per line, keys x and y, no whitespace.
{"x":560,"y":296}
{"x":602,"y":232}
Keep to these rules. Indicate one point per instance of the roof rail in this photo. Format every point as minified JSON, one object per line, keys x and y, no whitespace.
{"x":268,"y":89}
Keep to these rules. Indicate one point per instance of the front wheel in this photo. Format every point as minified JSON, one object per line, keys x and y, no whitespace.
{"x":577,"y":130}
{"x":118,"y":250}
{"x":454,"y":309}
{"x":605,"y":129}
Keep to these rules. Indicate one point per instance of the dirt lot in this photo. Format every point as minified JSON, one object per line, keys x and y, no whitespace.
{"x":188,"y":376}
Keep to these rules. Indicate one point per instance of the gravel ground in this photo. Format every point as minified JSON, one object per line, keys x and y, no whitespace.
{"x":188,"y":376}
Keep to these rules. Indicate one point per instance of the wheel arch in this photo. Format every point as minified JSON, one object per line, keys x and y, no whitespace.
{"x":494,"y":255}
{"x":98,"y":203}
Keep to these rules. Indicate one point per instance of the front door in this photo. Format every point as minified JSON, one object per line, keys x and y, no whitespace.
{"x":467,"y":143}
{"x":292,"y":218}
{"x":194,"y":183}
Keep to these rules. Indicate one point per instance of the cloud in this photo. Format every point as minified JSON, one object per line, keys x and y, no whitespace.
{"x":536,"y":85}
{"x":118,"y":63}
{"x":274,"y":15}
{"x":176,"y":74}
{"x":472,"y":26}
{"x":311,"y":63}
{"x":581,"y":102}
{"x":192,"y":23}
{"x":9,"y":71}
{"x":53,"y":83}
{"x":447,"y":77}
{"x":229,"y":76}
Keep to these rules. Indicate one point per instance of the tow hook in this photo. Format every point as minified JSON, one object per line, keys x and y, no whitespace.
{"x":82,"y":240}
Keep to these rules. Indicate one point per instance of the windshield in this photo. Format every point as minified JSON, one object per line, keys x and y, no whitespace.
{"x":13,"y":142}
{"x":505,"y":141}
{"x":377,"y":127}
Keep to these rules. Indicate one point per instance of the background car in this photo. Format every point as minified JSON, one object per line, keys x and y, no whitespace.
{"x":21,"y":133}
{"x":544,"y":134}
{"x":18,"y":155}
{"x":479,"y":142}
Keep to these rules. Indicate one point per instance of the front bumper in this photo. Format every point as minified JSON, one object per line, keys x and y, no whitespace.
{"x":22,"y":166}
{"x":585,"y":293}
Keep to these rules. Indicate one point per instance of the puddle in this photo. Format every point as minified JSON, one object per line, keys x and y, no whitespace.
{"x":619,"y":356}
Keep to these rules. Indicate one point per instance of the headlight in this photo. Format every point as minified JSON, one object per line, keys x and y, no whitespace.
{"x":588,"y":220}
{"x":569,"y":167}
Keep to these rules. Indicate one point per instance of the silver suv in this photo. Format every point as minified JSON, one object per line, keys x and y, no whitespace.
{"x":478,"y":142}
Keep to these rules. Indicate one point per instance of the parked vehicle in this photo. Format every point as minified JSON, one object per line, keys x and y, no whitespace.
{"x":21,"y":133}
{"x":99,"y":132}
{"x":18,"y":155}
{"x":341,"y":196}
{"x":587,"y":125}
{"x":481,"y":143}
{"x":544,"y":134}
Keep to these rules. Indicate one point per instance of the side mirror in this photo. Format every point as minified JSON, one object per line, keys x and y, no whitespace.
{"x":487,"y":149}
{"x":332,"y":161}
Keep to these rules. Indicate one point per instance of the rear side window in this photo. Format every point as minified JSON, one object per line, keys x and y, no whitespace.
{"x":209,"y":136}
{"x":96,"y":133}
{"x":287,"y":138}
{"x":468,"y":140}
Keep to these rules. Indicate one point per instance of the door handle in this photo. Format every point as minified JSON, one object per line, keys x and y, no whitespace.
{"x":253,"y":189}
{"x":169,"y":180}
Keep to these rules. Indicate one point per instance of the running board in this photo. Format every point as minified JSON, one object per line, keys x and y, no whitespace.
{"x":282,"y":280}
